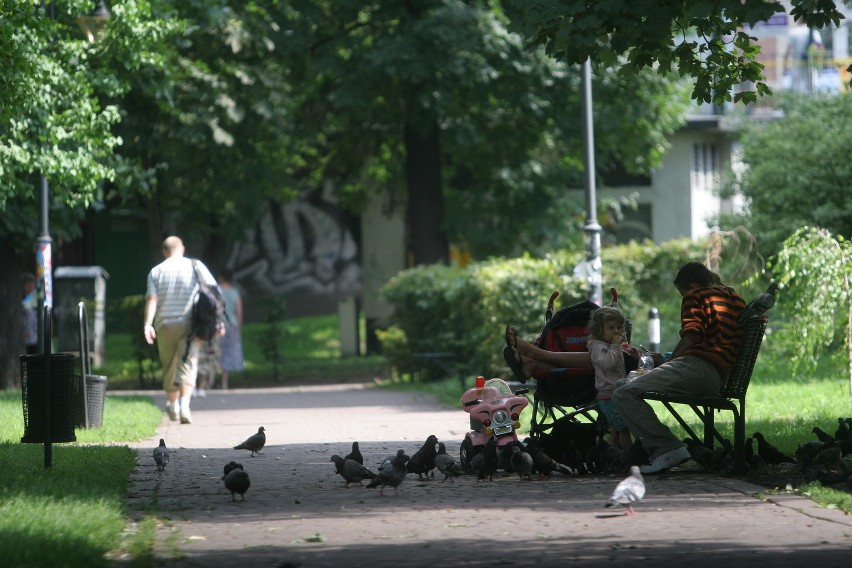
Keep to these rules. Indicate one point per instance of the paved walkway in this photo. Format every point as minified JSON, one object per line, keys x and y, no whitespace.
{"x":297,"y":512}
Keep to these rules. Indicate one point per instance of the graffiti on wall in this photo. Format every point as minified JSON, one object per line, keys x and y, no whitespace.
{"x":303,"y":245}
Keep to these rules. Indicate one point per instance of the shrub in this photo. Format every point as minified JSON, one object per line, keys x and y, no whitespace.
{"x":464,"y":310}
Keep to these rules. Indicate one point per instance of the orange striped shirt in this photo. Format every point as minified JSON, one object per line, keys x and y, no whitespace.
{"x":708,"y":318}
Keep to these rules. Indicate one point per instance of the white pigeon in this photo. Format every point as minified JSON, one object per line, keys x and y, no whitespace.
{"x":629,"y":490}
{"x":161,"y":455}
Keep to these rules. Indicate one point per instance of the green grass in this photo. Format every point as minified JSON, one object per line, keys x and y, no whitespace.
{"x":309,"y":352}
{"x":71,"y":514}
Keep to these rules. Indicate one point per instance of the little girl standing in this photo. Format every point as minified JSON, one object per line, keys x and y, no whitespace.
{"x":606,"y":328}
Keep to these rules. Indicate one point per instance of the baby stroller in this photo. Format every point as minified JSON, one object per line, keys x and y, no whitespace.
{"x":570,"y":392}
{"x":559,"y":390}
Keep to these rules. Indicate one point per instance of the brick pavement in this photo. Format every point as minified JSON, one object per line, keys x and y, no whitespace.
{"x":297,"y":512}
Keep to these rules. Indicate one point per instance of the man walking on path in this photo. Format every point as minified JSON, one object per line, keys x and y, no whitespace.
{"x":171,"y":289}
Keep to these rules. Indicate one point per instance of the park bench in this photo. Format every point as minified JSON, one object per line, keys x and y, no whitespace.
{"x":731,"y":397}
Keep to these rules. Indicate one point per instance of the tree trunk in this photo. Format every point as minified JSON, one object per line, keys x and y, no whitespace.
{"x":427,"y":243}
{"x":11,"y":317}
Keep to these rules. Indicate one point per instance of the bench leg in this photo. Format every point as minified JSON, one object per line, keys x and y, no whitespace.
{"x":739,"y":442}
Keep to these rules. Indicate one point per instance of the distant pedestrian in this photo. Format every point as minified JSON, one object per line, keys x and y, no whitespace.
{"x":231,"y":344}
{"x":208,"y":366}
{"x":171,"y":289}
{"x":29,"y":305}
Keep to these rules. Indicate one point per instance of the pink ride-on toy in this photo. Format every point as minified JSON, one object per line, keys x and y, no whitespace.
{"x":495,"y":412}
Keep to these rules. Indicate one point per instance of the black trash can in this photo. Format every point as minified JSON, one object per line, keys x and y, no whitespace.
{"x":34,"y":379}
{"x":89,"y":407}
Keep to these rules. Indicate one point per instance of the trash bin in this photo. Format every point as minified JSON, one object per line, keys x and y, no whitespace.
{"x":34,"y":382}
{"x":89,"y":411}
{"x":91,"y":389}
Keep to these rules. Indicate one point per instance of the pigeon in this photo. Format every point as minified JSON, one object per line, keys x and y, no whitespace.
{"x":544,"y":464}
{"x":446,"y":464}
{"x":161,"y":455}
{"x":806,"y":452}
{"x":846,"y":442}
{"x":485,"y":463}
{"x":750,"y":457}
{"x":423,"y":460}
{"x":825,"y":475}
{"x":759,"y":305}
{"x":522,"y":462}
{"x":769,"y":453}
{"x":822,"y":435}
{"x":254,"y":443}
{"x":711,"y":460}
{"x":391,"y":473}
{"x":842,"y":431}
{"x":350,"y":470}
{"x":355,"y":454}
{"x":236,"y":480}
{"x":595,"y":456}
{"x":830,"y":455}
{"x":504,"y":458}
{"x":573,"y":458}
{"x":612,"y":459}
{"x":629,"y":490}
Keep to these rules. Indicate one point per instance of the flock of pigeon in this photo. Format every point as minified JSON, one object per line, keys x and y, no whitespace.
{"x":827,"y":459}
{"x":235,"y":477}
{"x":521,"y":459}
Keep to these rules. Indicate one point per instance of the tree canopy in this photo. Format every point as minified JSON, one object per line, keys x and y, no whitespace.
{"x":796,"y":170}
{"x":376,"y":80}
{"x":707,"y":40}
{"x":57,"y":109}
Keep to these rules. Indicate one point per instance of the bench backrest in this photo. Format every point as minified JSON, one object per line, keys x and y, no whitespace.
{"x":750,"y":341}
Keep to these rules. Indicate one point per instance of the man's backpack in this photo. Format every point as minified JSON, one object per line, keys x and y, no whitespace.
{"x":208,"y":309}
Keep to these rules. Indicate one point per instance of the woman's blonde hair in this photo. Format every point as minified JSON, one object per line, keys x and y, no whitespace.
{"x":600,"y":317}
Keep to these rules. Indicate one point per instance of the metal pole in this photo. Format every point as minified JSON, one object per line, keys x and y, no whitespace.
{"x":48,"y":433}
{"x":44,"y":244}
{"x":592,"y":228}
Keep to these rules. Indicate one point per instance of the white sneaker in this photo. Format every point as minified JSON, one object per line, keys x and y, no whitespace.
{"x":172,"y":410}
{"x":667,"y":460}
{"x":185,"y":416}
{"x":200,"y":393}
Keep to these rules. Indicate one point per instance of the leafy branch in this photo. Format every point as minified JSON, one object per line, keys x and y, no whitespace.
{"x":813,"y":270}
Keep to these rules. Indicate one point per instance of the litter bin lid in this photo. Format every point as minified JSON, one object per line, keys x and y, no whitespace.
{"x":80,"y":272}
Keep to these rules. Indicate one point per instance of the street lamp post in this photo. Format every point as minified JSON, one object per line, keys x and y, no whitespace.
{"x":91,"y":26}
{"x":44,"y":243}
{"x":591,"y":228}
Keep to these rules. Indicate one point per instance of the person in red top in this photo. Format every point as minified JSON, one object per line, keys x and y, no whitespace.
{"x":699,"y":363}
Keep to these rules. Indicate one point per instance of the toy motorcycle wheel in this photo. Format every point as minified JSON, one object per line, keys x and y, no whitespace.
{"x":466,"y":453}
